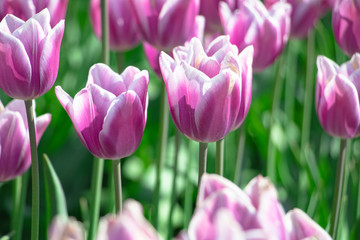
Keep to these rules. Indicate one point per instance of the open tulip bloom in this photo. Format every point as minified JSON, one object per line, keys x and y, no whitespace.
{"x":337,"y":96}
{"x":29,"y":55}
{"x":209,"y":91}
{"x":109,"y":114}
{"x":267,"y":30}
{"x":15,"y":156}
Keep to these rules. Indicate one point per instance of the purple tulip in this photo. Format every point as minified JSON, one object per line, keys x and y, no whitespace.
{"x":123,"y":31}
{"x":267,"y":30}
{"x":66,"y":229}
{"x":29,"y":53}
{"x":337,"y":96}
{"x":346,"y":25}
{"x":109,"y":114}
{"x":209,"y":92}
{"x":129,"y":225}
{"x":300,"y":226}
{"x":165,"y":24}
{"x":15,"y":157}
{"x":28,"y":8}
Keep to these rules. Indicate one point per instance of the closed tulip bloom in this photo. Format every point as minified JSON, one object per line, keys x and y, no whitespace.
{"x":346,"y":25}
{"x":209,"y":91}
{"x":300,"y":226}
{"x":267,"y":30}
{"x":66,"y":229}
{"x":123,"y":31}
{"x":130,"y":224}
{"x":28,"y":8}
{"x":165,"y":24}
{"x":109,"y":114}
{"x":15,"y":157}
{"x":337,"y":96}
{"x":29,"y":53}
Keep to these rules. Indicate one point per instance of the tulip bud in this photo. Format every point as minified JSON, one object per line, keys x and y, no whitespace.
{"x":29,"y":53}
{"x":109,"y":114}
{"x":15,"y":156}
{"x":209,"y":92}
{"x":267,"y":30}
{"x":337,"y":96}
{"x":61,"y":229}
{"x":123,"y":31}
{"x":346,"y":25}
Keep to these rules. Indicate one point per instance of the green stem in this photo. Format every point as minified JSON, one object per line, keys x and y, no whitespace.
{"x":35,"y":215}
{"x":279,"y":82}
{"x":203,"y":147}
{"x":97,"y":176}
{"x":20,"y":189}
{"x":219,"y":163}
{"x":339,"y":182}
{"x":173,"y":189}
{"x":120,"y":61}
{"x":240,"y":154}
{"x":290,"y":84}
{"x":116,"y":164}
{"x":164,"y":124}
{"x":105,"y":53}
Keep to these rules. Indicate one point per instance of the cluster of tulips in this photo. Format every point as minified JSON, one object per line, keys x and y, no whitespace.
{"x":205,"y":52}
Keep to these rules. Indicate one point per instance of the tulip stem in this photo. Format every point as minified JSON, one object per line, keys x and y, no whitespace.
{"x":116,"y":164}
{"x":20,"y":189}
{"x":164,"y":124}
{"x":203,"y":147}
{"x":105,"y":52}
{"x":240,"y":154}
{"x":271,"y":152}
{"x":339,"y":183}
{"x":173,"y":189}
{"x":219,"y":163}
{"x":97,"y":176}
{"x":30,"y":113}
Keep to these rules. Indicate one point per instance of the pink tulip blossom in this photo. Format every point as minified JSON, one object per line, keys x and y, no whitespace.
{"x":267,"y":30}
{"x":25,"y":9}
{"x":66,"y":229}
{"x":109,"y":114}
{"x":300,"y":226}
{"x":15,"y":156}
{"x":123,"y":31}
{"x":165,"y":24}
{"x":209,"y":91}
{"x":346,"y":25}
{"x":337,"y":96}
{"x":29,"y":53}
{"x":129,"y":225}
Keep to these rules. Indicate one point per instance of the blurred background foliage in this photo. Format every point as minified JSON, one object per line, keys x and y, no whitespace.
{"x":307,"y":185}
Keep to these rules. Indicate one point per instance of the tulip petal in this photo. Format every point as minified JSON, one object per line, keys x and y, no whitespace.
{"x":10,"y":23}
{"x":42,"y":122}
{"x":15,"y":149}
{"x":43,"y":18}
{"x":126,"y":115}
{"x":139,"y":85}
{"x":15,"y":65}
{"x":50,"y":54}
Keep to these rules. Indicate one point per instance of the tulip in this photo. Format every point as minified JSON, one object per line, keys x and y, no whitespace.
{"x":29,"y":53}
{"x":209,"y":92}
{"x":346,"y":25}
{"x":66,"y":229}
{"x":337,"y":96}
{"x":129,"y":225}
{"x":123,"y":31}
{"x":300,"y":226}
{"x":109,"y":114}
{"x":26,"y":9}
{"x":15,"y":156}
{"x":267,"y":30}
{"x":165,"y":24}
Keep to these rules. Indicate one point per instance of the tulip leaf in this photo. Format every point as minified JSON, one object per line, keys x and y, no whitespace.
{"x":56,"y":201}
